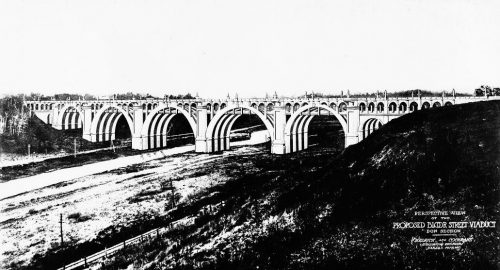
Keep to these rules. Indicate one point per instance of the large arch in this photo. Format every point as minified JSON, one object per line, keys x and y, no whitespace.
{"x":219,"y":128}
{"x":296,"y":128}
{"x":106,"y":121}
{"x":369,"y":126}
{"x":69,"y":120}
{"x":154,"y":130}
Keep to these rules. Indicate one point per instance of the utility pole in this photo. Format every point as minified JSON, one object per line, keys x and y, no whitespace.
{"x":60,"y":222}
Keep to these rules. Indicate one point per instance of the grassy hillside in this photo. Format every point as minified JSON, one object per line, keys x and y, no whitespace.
{"x":319,"y":210}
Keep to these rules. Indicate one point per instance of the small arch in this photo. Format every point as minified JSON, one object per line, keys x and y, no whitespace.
{"x":426,"y":105}
{"x":342,"y":107}
{"x":261,"y":107}
{"x":413,"y":106}
{"x":270,"y":107}
{"x":362,"y":107}
{"x":296,"y":106}
{"x":371,"y":107}
{"x":380,"y":107}
{"x":436,"y":104}
{"x":448,"y":103}
{"x":402,"y":107}
{"x":288,"y":107}
{"x":393,"y":107}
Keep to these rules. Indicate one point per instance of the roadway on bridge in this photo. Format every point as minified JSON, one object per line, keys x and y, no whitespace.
{"x":22,"y":185}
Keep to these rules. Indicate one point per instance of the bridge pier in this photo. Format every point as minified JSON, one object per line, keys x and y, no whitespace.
{"x":87,"y":122}
{"x":138,"y":120}
{"x":278,"y":142}
{"x":201,"y":143}
{"x":352,"y":135}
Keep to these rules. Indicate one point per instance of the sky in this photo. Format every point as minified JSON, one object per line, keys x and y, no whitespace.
{"x":250,"y":48}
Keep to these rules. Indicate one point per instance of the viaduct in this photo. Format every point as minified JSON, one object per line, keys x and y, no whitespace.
{"x":286,"y":119}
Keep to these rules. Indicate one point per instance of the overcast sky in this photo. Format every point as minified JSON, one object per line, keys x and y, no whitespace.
{"x":250,"y":48}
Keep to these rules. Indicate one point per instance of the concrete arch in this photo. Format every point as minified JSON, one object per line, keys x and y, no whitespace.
{"x":270,"y":107}
{"x":101,"y":122}
{"x":448,"y":103}
{"x":362,"y":107}
{"x":380,"y":107}
{"x":218,"y":129}
{"x":342,"y":107}
{"x":436,"y":104}
{"x":297,"y":127}
{"x":149,"y":118}
{"x":299,"y":139}
{"x":62,"y":120}
{"x":261,"y":107}
{"x":371,"y":107}
{"x":413,"y":106}
{"x":155,"y":135}
{"x":369,"y":126}
{"x":392,"y":107}
{"x":426,"y":105}
{"x":402,"y":107}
